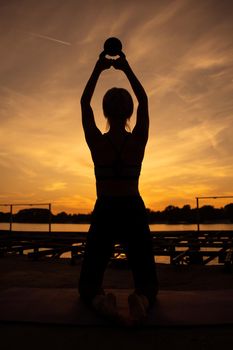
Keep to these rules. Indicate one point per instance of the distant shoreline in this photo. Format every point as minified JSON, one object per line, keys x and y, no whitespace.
{"x":171,"y":215}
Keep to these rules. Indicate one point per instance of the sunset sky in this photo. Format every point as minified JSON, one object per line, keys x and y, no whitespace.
{"x":181,"y":50}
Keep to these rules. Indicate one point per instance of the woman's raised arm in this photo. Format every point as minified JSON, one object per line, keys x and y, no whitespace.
{"x":90,"y":129}
{"x":142,"y":123}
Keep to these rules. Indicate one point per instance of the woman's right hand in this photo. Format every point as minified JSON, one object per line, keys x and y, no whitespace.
{"x":121,"y":63}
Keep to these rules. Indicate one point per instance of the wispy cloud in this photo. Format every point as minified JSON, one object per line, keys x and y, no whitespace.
{"x":36,"y":35}
{"x":55,"y":186}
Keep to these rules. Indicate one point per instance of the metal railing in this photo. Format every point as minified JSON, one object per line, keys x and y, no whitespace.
{"x":49,"y":205}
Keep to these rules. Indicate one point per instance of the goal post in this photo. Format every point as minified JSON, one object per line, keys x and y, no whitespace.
{"x":198,"y":206}
{"x":11,"y":207}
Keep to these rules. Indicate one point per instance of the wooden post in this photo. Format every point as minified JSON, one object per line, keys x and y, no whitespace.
{"x":198,"y":216}
{"x":11,"y":216}
{"x":50,"y":217}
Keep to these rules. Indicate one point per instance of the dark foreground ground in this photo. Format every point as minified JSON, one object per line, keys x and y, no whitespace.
{"x":18,"y":271}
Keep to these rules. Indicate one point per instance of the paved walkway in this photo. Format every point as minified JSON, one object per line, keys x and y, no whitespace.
{"x":63,"y":306}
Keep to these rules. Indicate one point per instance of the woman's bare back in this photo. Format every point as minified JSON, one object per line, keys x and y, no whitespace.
{"x":122,"y":150}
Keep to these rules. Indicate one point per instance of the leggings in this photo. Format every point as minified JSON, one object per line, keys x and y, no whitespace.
{"x":118,"y":220}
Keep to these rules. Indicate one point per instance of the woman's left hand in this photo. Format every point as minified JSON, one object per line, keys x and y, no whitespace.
{"x":103,"y":63}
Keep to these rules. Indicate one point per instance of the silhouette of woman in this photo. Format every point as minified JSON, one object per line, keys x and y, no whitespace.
{"x":119,"y":214}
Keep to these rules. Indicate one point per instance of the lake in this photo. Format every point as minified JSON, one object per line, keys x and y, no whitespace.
{"x":85,"y":227}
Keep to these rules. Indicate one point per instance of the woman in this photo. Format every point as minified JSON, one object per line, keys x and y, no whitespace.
{"x":119,"y":214}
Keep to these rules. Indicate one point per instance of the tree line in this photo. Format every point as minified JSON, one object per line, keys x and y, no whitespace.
{"x":171,"y":214}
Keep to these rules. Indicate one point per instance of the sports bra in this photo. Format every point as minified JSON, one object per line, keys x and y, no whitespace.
{"x":118,"y":170}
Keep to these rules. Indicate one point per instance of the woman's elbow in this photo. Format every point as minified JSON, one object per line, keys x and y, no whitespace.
{"x":85,"y":103}
{"x":83,"y":100}
{"x":143,"y":100}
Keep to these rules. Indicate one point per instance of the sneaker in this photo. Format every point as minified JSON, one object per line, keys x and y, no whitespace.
{"x":138,"y":306}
